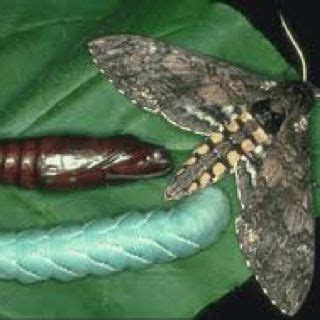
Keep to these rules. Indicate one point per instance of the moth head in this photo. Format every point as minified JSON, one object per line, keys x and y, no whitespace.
{"x":283,"y":99}
{"x":288,"y":96}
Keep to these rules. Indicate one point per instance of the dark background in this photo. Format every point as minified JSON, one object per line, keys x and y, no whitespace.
{"x":248,"y":301}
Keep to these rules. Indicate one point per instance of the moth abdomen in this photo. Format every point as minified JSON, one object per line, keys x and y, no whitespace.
{"x":220,"y":154}
{"x":74,"y":162}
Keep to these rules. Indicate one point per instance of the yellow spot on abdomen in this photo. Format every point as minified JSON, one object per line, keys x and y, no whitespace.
{"x":260,"y":136}
{"x":205,"y":179}
{"x":233,"y":158}
{"x":245,"y":116}
{"x":218,"y":169}
{"x":233,"y":126}
{"x":216,"y":138}
{"x":202,"y":149}
{"x":190,"y":161}
{"x":193,"y":187}
{"x":247,"y":145}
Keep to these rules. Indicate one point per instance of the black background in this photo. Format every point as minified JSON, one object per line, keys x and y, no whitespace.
{"x":303,"y":17}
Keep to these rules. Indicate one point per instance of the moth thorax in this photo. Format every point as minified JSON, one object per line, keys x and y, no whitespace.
{"x":292,"y":95}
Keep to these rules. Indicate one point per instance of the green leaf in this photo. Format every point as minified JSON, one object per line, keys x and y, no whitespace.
{"x":49,"y":85}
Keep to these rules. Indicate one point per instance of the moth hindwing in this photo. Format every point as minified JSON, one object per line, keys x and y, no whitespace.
{"x":276,"y":228}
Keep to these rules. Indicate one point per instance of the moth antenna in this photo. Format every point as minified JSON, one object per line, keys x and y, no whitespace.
{"x":296,"y":47}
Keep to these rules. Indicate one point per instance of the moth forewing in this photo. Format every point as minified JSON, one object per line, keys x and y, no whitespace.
{"x":190,"y":90}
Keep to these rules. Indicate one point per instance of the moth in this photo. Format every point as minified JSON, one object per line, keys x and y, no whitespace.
{"x":59,"y":162}
{"x":253,"y":126}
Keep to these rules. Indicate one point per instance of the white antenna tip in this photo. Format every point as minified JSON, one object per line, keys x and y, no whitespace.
{"x":296,"y":46}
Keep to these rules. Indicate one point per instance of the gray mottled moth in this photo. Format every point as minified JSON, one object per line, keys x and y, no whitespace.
{"x":253,"y":126}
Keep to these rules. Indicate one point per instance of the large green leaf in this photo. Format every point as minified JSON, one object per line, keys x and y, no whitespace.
{"x":50,"y":86}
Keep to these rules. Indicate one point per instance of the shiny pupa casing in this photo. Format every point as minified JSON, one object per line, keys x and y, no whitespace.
{"x":65,"y":162}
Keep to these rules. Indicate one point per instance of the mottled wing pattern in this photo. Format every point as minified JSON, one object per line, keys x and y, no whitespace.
{"x":219,"y":154}
{"x":276,"y":229}
{"x":191,"y":90}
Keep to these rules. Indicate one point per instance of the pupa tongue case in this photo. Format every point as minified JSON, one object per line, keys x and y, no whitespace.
{"x":130,"y":241}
